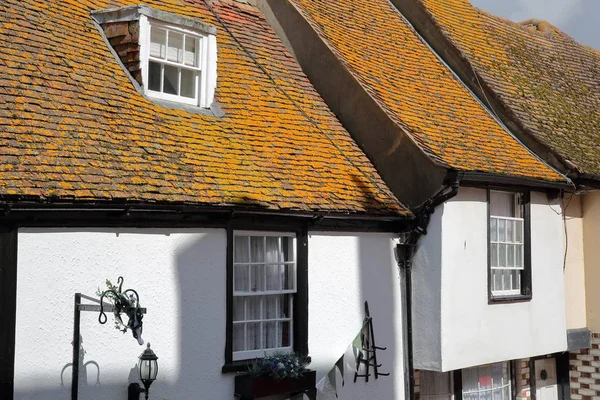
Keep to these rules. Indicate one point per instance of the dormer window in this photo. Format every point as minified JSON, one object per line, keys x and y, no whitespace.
{"x":176,"y":61}
{"x":172,"y":58}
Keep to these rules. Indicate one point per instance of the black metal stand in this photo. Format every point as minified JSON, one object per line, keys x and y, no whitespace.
{"x":369,"y":349}
{"x":77,"y":333}
{"x":134,"y":390}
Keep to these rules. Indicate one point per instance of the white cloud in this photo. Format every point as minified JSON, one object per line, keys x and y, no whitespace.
{"x":558,"y":12}
{"x":578,"y":18}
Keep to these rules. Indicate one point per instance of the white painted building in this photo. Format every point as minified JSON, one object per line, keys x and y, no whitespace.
{"x":463,"y":320}
{"x":179,"y":146}
{"x":181,"y":276}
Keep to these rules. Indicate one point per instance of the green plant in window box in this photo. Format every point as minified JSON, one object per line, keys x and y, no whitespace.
{"x":276,"y":374}
{"x":278,"y":366}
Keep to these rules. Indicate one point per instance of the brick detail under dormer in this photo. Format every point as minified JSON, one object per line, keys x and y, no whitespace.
{"x":584,"y":374}
{"x":124,"y":38}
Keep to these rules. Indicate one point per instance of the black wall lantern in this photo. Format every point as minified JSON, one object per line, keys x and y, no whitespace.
{"x":148,"y":369}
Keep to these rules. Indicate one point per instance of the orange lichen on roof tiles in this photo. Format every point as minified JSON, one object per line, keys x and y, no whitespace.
{"x":549,"y":81}
{"x":417,"y":90}
{"x":72,"y":126}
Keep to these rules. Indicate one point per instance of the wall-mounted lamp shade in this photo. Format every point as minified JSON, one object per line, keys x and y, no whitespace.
{"x":148,"y":365}
{"x":148,"y":368}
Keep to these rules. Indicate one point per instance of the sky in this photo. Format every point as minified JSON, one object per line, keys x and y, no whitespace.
{"x":578,"y":18}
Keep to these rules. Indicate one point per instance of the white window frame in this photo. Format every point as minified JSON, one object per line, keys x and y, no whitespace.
{"x":506,"y":243}
{"x":206,"y":63}
{"x":259,"y":353}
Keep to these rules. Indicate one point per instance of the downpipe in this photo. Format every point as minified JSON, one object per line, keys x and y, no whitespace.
{"x":404,"y":252}
{"x":404,"y":256}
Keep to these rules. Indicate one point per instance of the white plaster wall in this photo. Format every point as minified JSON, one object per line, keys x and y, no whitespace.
{"x":344,"y":271}
{"x":426,"y":296}
{"x":591,"y":235}
{"x":575,"y":267}
{"x":180,"y":276}
{"x":474,"y":332}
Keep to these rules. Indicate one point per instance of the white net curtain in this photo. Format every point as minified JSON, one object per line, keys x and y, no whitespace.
{"x":263,"y":285}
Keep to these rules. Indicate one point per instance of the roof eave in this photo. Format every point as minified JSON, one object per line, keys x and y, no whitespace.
{"x":176,"y":211}
{"x":483,"y":178}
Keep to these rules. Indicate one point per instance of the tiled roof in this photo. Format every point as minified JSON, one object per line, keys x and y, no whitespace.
{"x":549,"y":81}
{"x":418,"y":92}
{"x":73,"y":127}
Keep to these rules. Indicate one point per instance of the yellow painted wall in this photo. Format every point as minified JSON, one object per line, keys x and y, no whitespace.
{"x":591,"y":235}
{"x":574,"y":267}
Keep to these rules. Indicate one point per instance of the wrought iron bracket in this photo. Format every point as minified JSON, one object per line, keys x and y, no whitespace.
{"x":78,"y":308}
{"x":368,"y":353}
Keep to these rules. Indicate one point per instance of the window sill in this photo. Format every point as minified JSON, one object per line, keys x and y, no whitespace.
{"x":520,"y":298}
{"x":242,"y":366}
{"x":237,"y":366}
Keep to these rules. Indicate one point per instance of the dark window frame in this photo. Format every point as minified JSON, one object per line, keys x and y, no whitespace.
{"x":300,"y":301}
{"x":8,"y":308}
{"x":526,"y":286}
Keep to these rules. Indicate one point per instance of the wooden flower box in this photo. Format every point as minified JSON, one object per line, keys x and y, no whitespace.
{"x":248,"y":387}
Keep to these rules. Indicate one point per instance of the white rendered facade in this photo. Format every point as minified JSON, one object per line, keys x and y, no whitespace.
{"x":454,"y":324}
{"x":180,"y":275}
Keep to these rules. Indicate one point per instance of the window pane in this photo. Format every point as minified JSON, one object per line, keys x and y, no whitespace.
{"x":175,"y":50}
{"x":253,"y":336}
{"x":502,"y":255}
{"x":272,"y":277}
{"x":470,"y":380}
{"x":501,"y":230}
{"x":502,"y":204}
{"x":519,"y":231}
{"x":241,"y":249}
{"x":272,"y":249}
{"x":170,"y":79}
{"x":288,"y":277}
{"x":507,"y":280}
{"x":486,"y":382}
{"x":510,"y":231}
{"x":188,"y":83}
{"x":271,"y":308}
{"x":238,"y":308}
{"x":271,"y":335}
{"x":496,"y":279}
{"x":154,"y":76}
{"x":493,"y":229}
{"x":253,"y":307}
{"x":510,"y":255}
{"x":190,"y":57}
{"x":238,"y":337}
{"x":287,"y":246}
{"x":240,"y":278}
{"x":519,"y":256}
{"x":284,"y":306}
{"x":257,"y":278}
{"x":158,"y":40}
{"x":284,"y":334}
{"x":494,"y":254}
{"x":257,"y":246}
